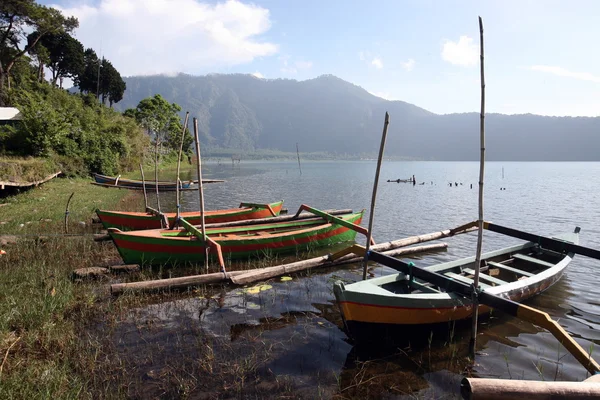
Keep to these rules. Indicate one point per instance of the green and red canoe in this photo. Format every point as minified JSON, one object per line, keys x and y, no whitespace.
{"x":162,"y":246}
{"x":131,"y":220}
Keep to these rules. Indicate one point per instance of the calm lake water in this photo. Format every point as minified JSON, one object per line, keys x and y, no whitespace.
{"x":307,"y":343}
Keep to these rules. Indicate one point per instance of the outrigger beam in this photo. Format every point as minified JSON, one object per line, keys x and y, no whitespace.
{"x":508,"y":306}
{"x":331,"y":218}
{"x":545,"y":242}
{"x":206,"y":240}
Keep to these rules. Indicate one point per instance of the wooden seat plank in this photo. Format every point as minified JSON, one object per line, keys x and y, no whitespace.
{"x":533,"y":260}
{"x":485,"y":277}
{"x":511,"y":269}
{"x":464,"y":279}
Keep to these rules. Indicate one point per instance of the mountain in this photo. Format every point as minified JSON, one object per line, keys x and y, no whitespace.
{"x":329,"y":114}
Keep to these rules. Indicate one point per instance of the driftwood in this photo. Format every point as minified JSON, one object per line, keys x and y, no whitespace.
{"x":3,"y":184}
{"x":102,"y":237}
{"x":504,"y":389}
{"x":323,"y":261}
{"x":89,"y":273}
{"x":247,"y":276}
{"x":124,"y":268}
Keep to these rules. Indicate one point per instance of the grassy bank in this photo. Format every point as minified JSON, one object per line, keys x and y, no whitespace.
{"x":42,"y":312}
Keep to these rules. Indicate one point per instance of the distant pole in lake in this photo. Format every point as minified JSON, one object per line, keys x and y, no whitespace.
{"x":144,"y":187}
{"x":502,"y":172}
{"x":201,"y":192}
{"x":298,"y":153}
{"x":185,"y":123}
{"x":374,"y":196}
{"x":474,"y":294}
{"x":156,"y":174}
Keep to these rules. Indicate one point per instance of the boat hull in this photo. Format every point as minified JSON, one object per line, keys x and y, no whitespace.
{"x":109,"y":180}
{"x":373,"y":304}
{"x":146,"y":247}
{"x":125,"y":220}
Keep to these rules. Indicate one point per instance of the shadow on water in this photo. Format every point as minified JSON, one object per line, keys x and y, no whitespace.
{"x":286,"y":338}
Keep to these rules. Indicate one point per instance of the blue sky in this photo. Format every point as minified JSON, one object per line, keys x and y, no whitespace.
{"x":541,"y":56}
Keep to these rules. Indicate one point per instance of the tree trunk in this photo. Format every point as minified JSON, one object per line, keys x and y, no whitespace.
{"x":41,"y":72}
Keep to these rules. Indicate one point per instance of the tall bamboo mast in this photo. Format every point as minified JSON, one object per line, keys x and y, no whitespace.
{"x":374,"y":196}
{"x":201,"y":192}
{"x":474,"y":295}
{"x":187,"y":115}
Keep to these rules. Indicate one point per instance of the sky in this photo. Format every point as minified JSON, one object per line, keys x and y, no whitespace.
{"x":541,"y":56}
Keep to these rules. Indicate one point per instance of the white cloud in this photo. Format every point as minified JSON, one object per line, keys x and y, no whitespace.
{"x":361,"y":55}
{"x":585,"y":76}
{"x":463,"y":52}
{"x":167,"y":36}
{"x":258,"y":75}
{"x":377,"y":63}
{"x":304,"y":64}
{"x":408,"y":65}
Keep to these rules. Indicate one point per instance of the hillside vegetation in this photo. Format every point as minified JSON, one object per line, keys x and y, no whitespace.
{"x":331,"y":115}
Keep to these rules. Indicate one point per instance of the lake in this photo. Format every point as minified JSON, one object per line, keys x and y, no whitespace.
{"x":294,"y":327}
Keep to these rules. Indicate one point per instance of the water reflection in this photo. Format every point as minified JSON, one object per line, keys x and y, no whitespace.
{"x":295,"y":326}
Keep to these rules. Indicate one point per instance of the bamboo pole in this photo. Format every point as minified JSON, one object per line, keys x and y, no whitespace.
{"x":200,"y":191}
{"x":144,"y":187}
{"x":187,"y":115}
{"x":474,"y":295}
{"x":503,"y":389}
{"x":156,"y":173}
{"x":253,"y":275}
{"x":298,"y":153}
{"x":374,"y":196}
{"x":67,"y":213}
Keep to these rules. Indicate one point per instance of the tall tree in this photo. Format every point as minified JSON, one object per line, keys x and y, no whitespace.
{"x":87,"y":80}
{"x":112,"y":86}
{"x":65,"y":57}
{"x":18,"y":17}
{"x":160,"y":118}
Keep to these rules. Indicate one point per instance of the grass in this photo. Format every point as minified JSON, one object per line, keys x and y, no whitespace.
{"x":19,"y":169}
{"x":42,"y":313}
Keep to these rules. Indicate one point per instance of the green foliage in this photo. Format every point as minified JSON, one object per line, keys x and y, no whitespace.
{"x":160,"y":119}
{"x":82,"y":136}
{"x":62,"y":53}
{"x":16,"y":19}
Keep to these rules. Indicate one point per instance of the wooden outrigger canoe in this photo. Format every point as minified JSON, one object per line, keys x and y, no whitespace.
{"x":514,"y":273}
{"x":104,"y":180}
{"x":131,"y":220}
{"x":159,"y":246}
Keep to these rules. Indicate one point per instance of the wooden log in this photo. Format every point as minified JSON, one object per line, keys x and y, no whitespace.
{"x":89,"y":273}
{"x":254,"y":274}
{"x":382,"y":247}
{"x":503,"y":389}
{"x":125,"y":268}
{"x":102,"y":237}
{"x":172,"y":283}
{"x":323,"y":261}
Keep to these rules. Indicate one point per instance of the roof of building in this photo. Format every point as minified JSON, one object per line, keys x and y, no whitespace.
{"x":9,"y":114}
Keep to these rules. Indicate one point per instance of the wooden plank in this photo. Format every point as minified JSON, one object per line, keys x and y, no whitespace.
{"x":26,"y":184}
{"x":424,"y":288}
{"x":511,"y":269}
{"x":464,"y":279}
{"x":486,"y":277}
{"x":533,"y":260}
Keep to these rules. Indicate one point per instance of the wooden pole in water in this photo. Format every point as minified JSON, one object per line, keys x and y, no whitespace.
{"x":201,"y":192}
{"x":298,"y":154}
{"x":144,"y":187}
{"x":474,"y":294}
{"x":371,"y":215}
{"x":156,"y":172}
{"x":187,"y":115}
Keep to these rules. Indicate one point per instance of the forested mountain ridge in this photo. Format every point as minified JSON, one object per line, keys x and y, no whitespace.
{"x":329,"y":114}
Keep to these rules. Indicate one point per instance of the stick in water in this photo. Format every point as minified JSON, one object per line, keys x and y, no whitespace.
{"x":187,"y":115}
{"x":201,"y":193}
{"x":474,"y":294}
{"x":156,"y":173}
{"x":298,"y":153}
{"x":144,"y":187}
{"x":371,"y":215}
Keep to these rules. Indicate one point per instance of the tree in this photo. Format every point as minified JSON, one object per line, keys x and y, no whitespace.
{"x":101,"y":78}
{"x":16,"y":18}
{"x":160,"y":118}
{"x":112,"y":86}
{"x":64,"y":54}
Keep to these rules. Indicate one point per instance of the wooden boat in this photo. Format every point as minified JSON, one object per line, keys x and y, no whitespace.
{"x":131,"y":220}
{"x":157,"y":246}
{"x":104,"y":180}
{"x":515,"y":273}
